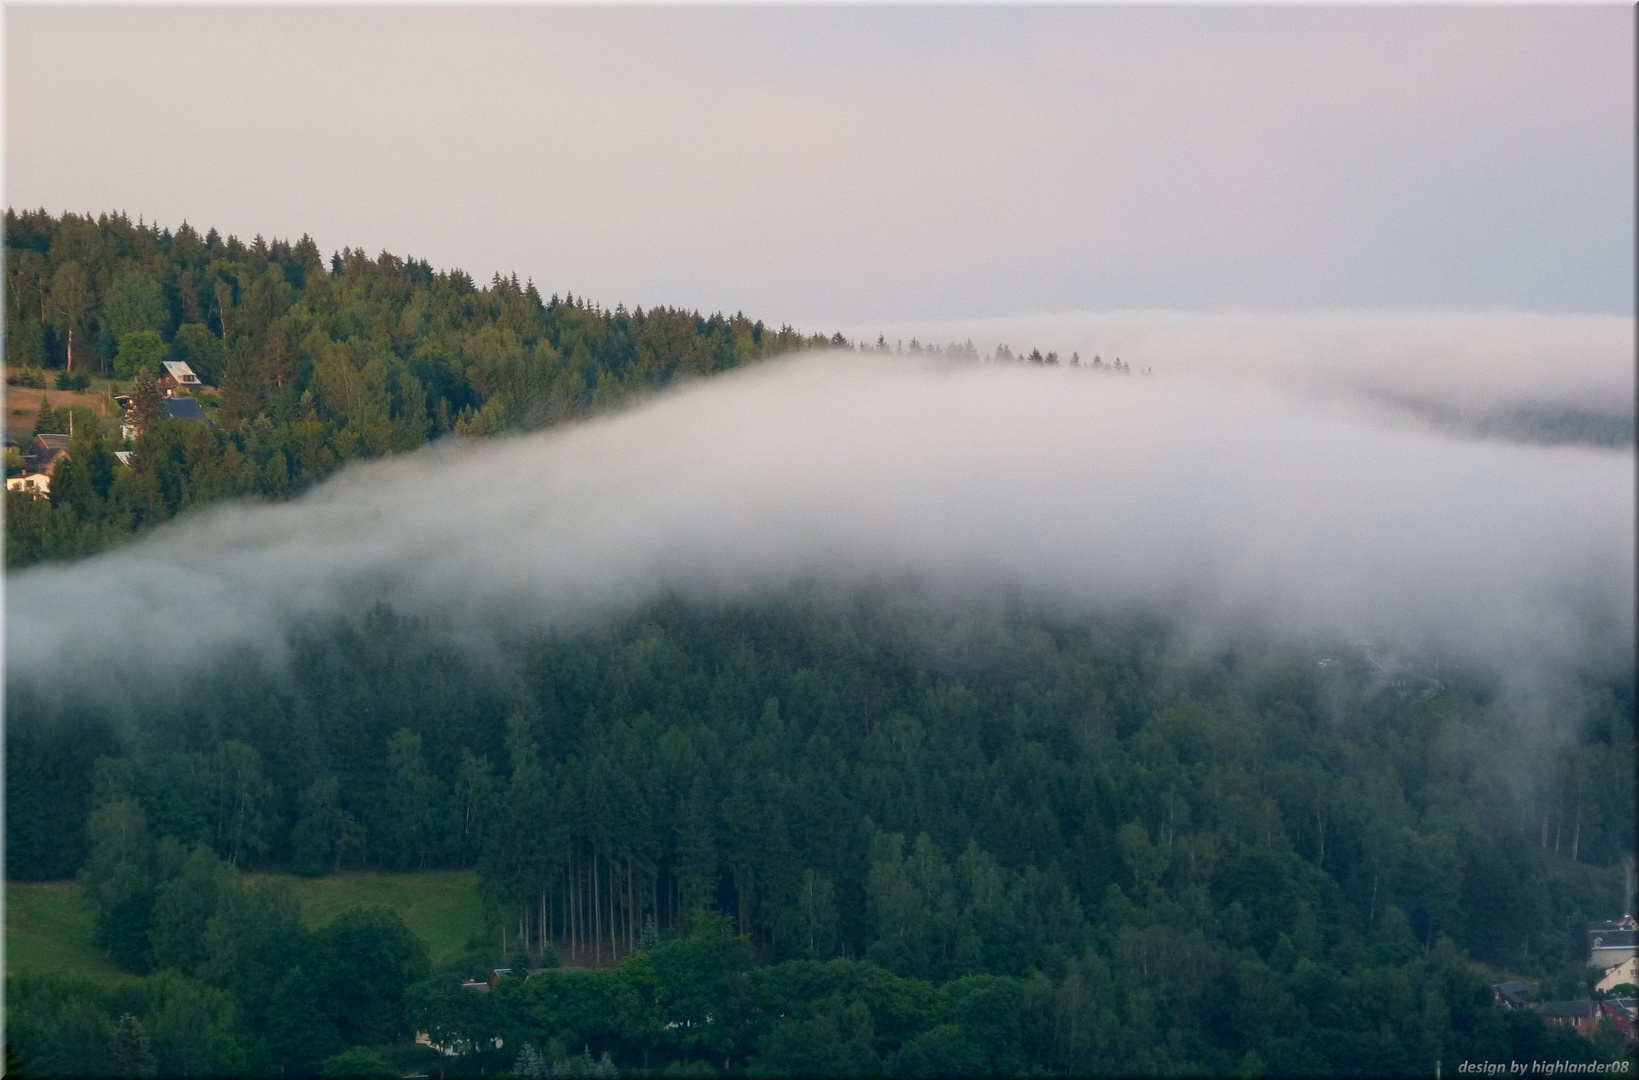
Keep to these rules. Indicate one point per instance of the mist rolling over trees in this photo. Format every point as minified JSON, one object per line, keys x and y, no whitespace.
{"x":820,"y":541}
{"x":1231,"y":507}
{"x":857,"y":712}
{"x":1462,"y":367}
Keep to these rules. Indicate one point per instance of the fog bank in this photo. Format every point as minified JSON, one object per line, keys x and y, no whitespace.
{"x":1227,"y":505}
{"x":1474,"y":363}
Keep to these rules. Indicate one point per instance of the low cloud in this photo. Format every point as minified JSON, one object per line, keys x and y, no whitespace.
{"x":1462,"y":363}
{"x":1234,"y":505}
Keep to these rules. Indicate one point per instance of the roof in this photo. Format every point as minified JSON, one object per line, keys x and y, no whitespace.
{"x":1567,"y":1009}
{"x":179,"y":371}
{"x":1624,"y":1007}
{"x":44,"y":450}
{"x":1515,"y":993}
{"x":52,"y":442}
{"x":184,"y":408}
{"x":1612,"y":939}
{"x":122,"y":456}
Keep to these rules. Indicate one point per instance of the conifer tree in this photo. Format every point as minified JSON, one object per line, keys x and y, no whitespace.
{"x":132,"y":1057}
{"x":146,"y":404}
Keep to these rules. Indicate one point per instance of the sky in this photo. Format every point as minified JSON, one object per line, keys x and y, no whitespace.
{"x":871,"y":166}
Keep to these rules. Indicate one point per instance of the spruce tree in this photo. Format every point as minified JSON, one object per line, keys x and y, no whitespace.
{"x":132,"y":1057}
{"x":146,"y":404}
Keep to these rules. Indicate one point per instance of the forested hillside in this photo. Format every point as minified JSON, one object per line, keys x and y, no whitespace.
{"x":313,"y":362}
{"x":964,"y":844}
{"x":826,"y":831}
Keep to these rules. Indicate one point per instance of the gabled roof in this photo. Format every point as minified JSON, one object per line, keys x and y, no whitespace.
{"x":51,"y":442}
{"x":179,"y":371}
{"x":45,"y":448}
{"x":1568,"y":1009}
{"x":184,"y":408}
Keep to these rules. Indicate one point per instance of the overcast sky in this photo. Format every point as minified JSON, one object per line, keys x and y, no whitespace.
{"x":847,"y":165}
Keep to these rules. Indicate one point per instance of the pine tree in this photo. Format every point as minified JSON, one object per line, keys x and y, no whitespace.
{"x":650,"y":937}
{"x":49,"y":421}
{"x":531,"y":1063}
{"x":146,"y":404}
{"x":132,"y":1057}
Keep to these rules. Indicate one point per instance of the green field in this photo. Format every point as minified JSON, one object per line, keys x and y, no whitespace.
{"x":48,"y":932}
{"x":441,"y":907}
{"x":48,"y":929}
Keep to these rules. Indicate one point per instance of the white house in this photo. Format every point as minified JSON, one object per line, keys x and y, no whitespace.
{"x":1611,"y":943}
{"x":38,"y":483}
{"x":1625,"y":972}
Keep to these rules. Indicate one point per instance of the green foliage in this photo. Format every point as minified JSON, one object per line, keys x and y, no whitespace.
{"x":317,"y":366}
{"x":119,"y":880}
{"x":140,"y":350}
{"x":166,"y":1026}
{"x":201,"y":350}
{"x":134,"y":305}
{"x":365,"y":960}
{"x":357,"y":1063}
{"x":1073,"y":847}
{"x":184,"y":902}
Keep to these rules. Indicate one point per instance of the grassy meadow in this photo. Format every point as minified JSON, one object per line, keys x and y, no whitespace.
{"x":48,"y":928}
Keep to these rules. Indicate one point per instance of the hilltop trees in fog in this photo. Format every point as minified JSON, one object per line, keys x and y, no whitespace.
{"x":316,"y":363}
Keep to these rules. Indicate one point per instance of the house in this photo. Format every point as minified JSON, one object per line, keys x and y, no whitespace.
{"x":37,"y":483}
{"x":1610,"y":943}
{"x":476,"y":984}
{"x":184,"y":409}
{"x":1580,"y":1016}
{"x":1625,"y":972}
{"x":45,"y":451}
{"x":178,"y":376}
{"x":1621,"y":1012}
{"x":1512,"y":995}
{"x":176,"y":408}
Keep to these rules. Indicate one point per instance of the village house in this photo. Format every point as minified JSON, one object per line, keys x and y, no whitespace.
{"x":175,"y":408}
{"x":38,"y":484}
{"x":185,"y":409}
{"x":1621,"y":1013}
{"x":1610,"y":943}
{"x":44,"y":452}
{"x":1580,"y":1016}
{"x":178,"y":376}
{"x":1625,"y":972}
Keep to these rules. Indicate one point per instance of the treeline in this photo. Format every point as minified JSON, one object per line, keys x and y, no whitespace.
{"x":317,"y":363}
{"x":1186,"y":861}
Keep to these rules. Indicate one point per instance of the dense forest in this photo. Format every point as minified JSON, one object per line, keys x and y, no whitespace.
{"x":314,"y":362}
{"x":823,"y":837}
{"x":811,"y":834}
